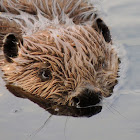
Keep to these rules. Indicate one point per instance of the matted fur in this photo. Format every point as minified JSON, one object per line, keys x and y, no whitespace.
{"x":58,"y":35}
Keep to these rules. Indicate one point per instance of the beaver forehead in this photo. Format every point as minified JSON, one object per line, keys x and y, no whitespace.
{"x":71,"y":48}
{"x":67,"y":42}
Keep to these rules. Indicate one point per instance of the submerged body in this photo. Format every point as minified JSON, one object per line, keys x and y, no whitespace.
{"x":62,"y":51}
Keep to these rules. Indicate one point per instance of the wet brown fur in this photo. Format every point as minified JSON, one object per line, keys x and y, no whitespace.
{"x":77,"y":55}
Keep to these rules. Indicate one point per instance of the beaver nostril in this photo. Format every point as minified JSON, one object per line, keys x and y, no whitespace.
{"x":76,"y":100}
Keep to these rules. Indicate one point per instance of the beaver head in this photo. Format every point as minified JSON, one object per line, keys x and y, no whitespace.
{"x":72,"y":65}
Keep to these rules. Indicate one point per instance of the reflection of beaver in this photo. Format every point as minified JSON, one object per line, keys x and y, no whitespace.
{"x":57,"y":50}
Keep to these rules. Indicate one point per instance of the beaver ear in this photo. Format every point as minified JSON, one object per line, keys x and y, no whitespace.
{"x":102,"y":27}
{"x":11,"y":44}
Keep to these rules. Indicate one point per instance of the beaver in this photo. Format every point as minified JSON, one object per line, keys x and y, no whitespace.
{"x":57,"y":50}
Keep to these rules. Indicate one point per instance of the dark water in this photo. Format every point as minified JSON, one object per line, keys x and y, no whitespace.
{"x":20,"y":119}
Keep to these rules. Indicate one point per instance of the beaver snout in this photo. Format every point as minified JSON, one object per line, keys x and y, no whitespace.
{"x":87,"y":98}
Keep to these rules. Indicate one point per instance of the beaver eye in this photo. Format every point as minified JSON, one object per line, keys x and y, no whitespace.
{"x":45,"y":74}
{"x":103,"y":65}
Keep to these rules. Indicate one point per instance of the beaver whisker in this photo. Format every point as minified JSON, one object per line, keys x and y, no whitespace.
{"x":90,"y":106}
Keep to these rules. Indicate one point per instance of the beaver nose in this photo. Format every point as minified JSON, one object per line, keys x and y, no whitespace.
{"x":87,"y":98}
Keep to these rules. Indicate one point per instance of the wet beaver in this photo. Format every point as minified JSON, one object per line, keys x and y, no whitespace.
{"x":57,"y":50}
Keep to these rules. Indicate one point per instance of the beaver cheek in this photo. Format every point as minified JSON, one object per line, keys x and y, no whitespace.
{"x":11,"y":46}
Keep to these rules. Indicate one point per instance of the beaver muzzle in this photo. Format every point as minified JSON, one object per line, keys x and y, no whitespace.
{"x":87,"y":98}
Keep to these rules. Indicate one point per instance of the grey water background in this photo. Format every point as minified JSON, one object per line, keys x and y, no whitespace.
{"x":21,"y":119}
